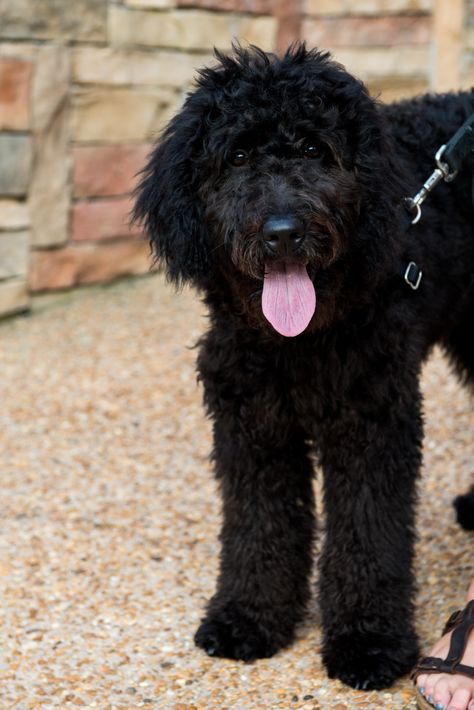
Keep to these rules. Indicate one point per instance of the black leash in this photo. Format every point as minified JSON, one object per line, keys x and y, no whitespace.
{"x":449,"y":159}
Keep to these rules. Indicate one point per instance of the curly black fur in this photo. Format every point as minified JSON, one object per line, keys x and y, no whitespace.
{"x":346,"y":389}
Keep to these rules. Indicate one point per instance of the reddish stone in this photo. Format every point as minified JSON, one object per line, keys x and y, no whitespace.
{"x":87,"y":263}
{"x":103,"y":219}
{"x":329,"y":32}
{"x":470,"y":11}
{"x":262,"y":7}
{"x":105,"y":170}
{"x":289,"y":14}
{"x":15,"y":80}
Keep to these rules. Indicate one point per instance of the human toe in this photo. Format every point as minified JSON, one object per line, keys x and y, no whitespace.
{"x":421,"y":682}
{"x":441,"y":694}
{"x":460,"y":700}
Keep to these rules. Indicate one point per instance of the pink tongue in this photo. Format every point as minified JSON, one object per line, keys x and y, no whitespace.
{"x":288,"y":298}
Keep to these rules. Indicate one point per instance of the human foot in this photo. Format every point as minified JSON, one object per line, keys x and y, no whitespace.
{"x":450,"y":691}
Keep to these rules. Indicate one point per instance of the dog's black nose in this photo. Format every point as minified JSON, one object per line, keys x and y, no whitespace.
{"x":283,"y":234}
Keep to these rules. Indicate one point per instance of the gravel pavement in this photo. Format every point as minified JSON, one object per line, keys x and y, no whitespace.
{"x":109,"y":516}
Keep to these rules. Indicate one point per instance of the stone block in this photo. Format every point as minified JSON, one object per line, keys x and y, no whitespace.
{"x":366,"y":7}
{"x":103,"y":219}
{"x":376,"y":62}
{"x":467,"y":80}
{"x":170,"y":29}
{"x":88,"y":263}
{"x":395,"y":7}
{"x":104,"y":170}
{"x":114,"y":115}
{"x":289,"y":16}
{"x":391,"y":88}
{"x":13,"y":215}
{"x":13,"y":254}
{"x":469,"y":38}
{"x":15,"y":78}
{"x":330,"y":32}
{"x":187,"y":29}
{"x":14,"y":296}
{"x":151,"y":4}
{"x":325,"y":7}
{"x":106,"y":65}
{"x":15,"y":164}
{"x":261,"y":7}
{"x":50,"y":19}
{"x":25,"y":51}
{"x":50,"y":192}
{"x":261,"y":31}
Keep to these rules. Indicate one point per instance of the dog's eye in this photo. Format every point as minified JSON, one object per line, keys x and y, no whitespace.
{"x":310,"y":150}
{"x":239,"y":158}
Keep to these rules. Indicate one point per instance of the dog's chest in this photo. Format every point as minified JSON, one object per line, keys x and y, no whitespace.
{"x":315,"y":383}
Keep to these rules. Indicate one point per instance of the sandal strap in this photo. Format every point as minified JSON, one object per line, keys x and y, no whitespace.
{"x":461,"y":624}
{"x":462,"y":627}
{"x":430,"y":665}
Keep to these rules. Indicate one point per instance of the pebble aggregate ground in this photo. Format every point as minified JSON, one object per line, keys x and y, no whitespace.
{"x":109,"y":516}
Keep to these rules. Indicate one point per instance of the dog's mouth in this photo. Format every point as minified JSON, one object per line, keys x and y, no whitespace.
{"x":288,"y":297}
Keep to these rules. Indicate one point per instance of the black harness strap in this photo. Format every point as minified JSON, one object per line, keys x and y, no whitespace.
{"x":460,"y":145}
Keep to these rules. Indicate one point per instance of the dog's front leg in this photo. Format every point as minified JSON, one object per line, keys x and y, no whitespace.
{"x":265,"y":473}
{"x":371,"y":457}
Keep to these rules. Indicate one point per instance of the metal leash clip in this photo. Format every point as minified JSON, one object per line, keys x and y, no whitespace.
{"x":455,"y":152}
{"x":441,"y":172}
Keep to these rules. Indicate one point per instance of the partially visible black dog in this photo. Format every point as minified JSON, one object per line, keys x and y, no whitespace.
{"x":281,"y":182}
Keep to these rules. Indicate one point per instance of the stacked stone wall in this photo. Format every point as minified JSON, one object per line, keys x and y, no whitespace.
{"x":86,"y":86}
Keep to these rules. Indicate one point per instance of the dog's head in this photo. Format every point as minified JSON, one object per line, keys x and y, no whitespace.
{"x":277,"y":173}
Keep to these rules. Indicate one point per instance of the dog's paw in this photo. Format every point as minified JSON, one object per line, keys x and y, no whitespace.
{"x":229,"y":633}
{"x":464,"y":506}
{"x":369,"y":661}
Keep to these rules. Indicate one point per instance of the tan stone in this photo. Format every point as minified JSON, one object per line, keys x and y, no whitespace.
{"x":380,"y":7}
{"x":13,"y":215}
{"x":397,"y":88}
{"x":13,"y":254}
{"x":325,"y":7}
{"x":469,"y":38}
{"x":50,"y":190}
{"x":88,"y":263}
{"x":50,"y":19}
{"x":118,"y":115}
{"x":366,"y":7}
{"x":330,"y":32}
{"x":261,"y":31}
{"x":151,"y":4}
{"x":368,"y":63}
{"x":187,"y":29}
{"x":448,"y":30}
{"x":467,"y":81}
{"x":13,"y":296}
{"x":23,"y":50}
{"x":106,"y":65}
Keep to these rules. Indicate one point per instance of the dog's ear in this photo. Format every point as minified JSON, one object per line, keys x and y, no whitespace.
{"x":167,"y":204}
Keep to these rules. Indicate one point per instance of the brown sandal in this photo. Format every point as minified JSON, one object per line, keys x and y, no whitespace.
{"x":461,"y":624}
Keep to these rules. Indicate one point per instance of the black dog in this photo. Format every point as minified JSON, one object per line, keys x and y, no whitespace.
{"x":281,"y":182}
